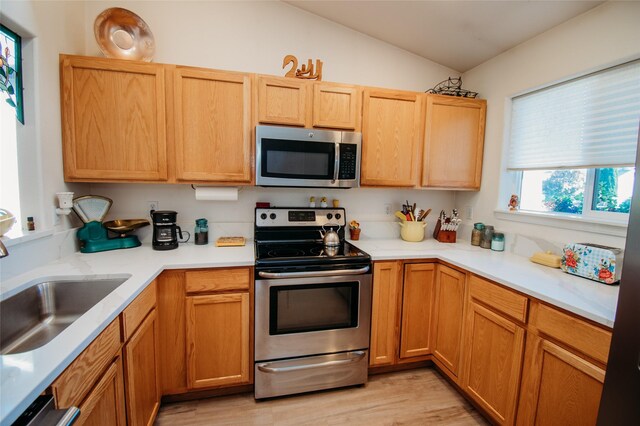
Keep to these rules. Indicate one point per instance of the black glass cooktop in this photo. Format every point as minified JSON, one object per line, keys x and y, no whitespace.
{"x":307,"y":253}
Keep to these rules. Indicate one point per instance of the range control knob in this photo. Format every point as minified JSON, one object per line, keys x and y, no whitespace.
{"x":338,"y":216}
{"x":329,"y":216}
{"x":263,"y":216}
{"x":272,"y":216}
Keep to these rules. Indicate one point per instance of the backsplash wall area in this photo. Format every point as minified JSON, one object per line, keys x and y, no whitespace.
{"x":366,"y":205}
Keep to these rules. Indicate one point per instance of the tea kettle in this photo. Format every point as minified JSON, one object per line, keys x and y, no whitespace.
{"x":330,"y":238}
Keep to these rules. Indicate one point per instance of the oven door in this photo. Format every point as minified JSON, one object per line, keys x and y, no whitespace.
{"x":310,"y":316}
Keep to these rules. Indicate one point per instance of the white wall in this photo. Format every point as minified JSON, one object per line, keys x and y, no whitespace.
{"x":255,"y":37}
{"x":47,"y":28}
{"x":603,"y":36}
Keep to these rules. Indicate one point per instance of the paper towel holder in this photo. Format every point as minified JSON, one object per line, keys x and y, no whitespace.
{"x":216,"y":193}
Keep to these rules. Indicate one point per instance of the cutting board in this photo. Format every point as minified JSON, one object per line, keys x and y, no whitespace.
{"x":230,"y":242}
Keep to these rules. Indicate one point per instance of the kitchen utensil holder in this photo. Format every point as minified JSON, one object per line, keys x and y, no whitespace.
{"x":355,"y":234}
{"x":446,"y":236}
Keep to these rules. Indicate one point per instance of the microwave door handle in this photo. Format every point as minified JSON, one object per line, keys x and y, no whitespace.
{"x":336,"y":162}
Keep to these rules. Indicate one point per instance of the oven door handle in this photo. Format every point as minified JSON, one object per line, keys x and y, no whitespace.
{"x":354,"y":357}
{"x":330,"y":273}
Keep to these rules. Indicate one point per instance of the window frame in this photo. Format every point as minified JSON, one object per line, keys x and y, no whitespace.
{"x":588,"y":213}
{"x":511,"y":180}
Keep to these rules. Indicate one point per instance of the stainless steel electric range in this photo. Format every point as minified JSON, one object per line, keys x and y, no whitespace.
{"x":312,"y":303}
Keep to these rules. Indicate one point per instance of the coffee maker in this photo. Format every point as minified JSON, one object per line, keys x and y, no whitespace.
{"x":165,"y":230}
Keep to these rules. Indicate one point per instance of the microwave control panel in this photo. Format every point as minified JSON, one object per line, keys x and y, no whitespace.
{"x":348,"y":161}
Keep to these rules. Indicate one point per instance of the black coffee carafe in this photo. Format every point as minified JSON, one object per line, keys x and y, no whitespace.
{"x":165,"y":230}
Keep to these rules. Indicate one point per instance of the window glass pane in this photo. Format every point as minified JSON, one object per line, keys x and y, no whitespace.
{"x":613,"y":189}
{"x":559,"y":191}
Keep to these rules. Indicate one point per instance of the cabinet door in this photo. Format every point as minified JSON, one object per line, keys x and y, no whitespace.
{"x":141,"y":364}
{"x":283,"y":101}
{"x":336,"y":106}
{"x":212,"y":118}
{"x":113,"y":120}
{"x":417,"y":307}
{"x":391,"y":135}
{"x":384,"y":313}
{"x":494,"y":348}
{"x":217,"y":340}
{"x":558,"y":387}
{"x":454,"y":140}
{"x":448,"y":317}
{"x":104,"y":405}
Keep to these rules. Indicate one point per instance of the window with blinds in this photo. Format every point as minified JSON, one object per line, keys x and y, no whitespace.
{"x":588,"y":122}
{"x":573,"y":145}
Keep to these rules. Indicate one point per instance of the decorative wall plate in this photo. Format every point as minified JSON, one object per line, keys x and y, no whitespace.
{"x":122,"y":34}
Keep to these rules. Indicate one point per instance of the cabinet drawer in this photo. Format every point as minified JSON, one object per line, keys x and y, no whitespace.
{"x":133,"y":315}
{"x":589,"y":339}
{"x":75,"y":382}
{"x":218,"y":280}
{"x":505,"y":301}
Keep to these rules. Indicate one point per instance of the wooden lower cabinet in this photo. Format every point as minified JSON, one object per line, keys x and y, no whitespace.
{"x":417,"y":307}
{"x":558,"y":387}
{"x":141,"y":366}
{"x":105,"y":403}
{"x":384,"y":313}
{"x":448,"y":317}
{"x":218,"y":340}
{"x":494,"y":347}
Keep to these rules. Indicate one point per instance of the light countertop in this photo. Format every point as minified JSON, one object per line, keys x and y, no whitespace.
{"x":24,"y":376}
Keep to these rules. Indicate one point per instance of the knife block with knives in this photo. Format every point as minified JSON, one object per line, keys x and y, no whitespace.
{"x":447,"y":227}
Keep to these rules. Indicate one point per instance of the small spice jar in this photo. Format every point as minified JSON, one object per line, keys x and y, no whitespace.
{"x":497,"y":242}
{"x":31,"y":225}
{"x":476,"y":233}
{"x":487,"y":236}
{"x":201,"y":232}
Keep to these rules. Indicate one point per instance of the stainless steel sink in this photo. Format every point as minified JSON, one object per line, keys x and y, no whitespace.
{"x":39,"y":313}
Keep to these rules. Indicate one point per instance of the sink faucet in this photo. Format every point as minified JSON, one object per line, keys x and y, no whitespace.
{"x":3,"y":250}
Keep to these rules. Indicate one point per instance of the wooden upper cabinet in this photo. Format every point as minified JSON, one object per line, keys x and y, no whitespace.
{"x":113,"y":120}
{"x":454,"y":140}
{"x":283,"y":101}
{"x":337,"y":106}
{"x":417,"y":308}
{"x":391,"y":136}
{"x":448,"y":317}
{"x":212,"y":119}
{"x":384,"y":313}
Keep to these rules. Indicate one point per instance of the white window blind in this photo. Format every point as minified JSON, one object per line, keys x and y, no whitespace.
{"x":591,"y":121}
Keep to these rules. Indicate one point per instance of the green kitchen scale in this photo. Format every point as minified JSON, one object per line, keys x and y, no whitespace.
{"x":94,"y":235}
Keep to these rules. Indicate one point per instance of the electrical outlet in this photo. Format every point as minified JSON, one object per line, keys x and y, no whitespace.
{"x":152,"y":205}
{"x":387,"y":209}
{"x":56,"y":217}
{"x":469,"y":212}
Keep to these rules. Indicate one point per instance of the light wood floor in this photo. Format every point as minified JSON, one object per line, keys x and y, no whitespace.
{"x":415,"y":397}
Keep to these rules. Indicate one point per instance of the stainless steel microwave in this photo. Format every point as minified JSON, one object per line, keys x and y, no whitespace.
{"x":288,"y":156}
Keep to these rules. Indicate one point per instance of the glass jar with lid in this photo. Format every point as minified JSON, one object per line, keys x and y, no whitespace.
{"x":497,"y":241}
{"x":487,"y":236}
{"x":201,"y":232}
{"x":476,"y":233}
